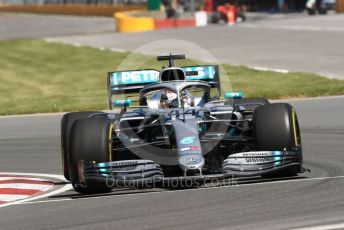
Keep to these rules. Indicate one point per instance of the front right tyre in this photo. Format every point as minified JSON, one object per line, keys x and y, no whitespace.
{"x":91,"y":140}
{"x":67,"y":122}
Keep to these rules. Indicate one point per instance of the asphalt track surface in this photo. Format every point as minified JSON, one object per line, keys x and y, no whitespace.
{"x":16,"y":26}
{"x":293,"y":42}
{"x":31,"y":144}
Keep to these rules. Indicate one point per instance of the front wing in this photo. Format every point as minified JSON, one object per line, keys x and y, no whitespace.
{"x":236,"y":165}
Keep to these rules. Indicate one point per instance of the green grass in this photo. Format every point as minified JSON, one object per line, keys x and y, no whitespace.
{"x":36,"y":76}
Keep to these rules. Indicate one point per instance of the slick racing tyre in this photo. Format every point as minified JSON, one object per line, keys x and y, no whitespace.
{"x":66,"y":124}
{"x":276,"y":128}
{"x":90,"y":140}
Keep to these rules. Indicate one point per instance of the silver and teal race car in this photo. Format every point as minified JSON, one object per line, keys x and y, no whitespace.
{"x":177,"y":128}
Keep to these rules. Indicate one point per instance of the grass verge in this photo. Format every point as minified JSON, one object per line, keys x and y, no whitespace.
{"x":37,"y":76}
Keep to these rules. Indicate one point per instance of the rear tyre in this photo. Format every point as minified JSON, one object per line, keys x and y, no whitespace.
{"x":322,"y":10}
{"x":67,"y":122}
{"x":311,"y":11}
{"x":90,"y":140}
{"x":276,"y":127}
{"x":215,"y":17}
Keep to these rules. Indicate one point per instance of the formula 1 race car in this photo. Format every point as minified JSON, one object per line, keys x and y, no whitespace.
{"x":179,"y":128}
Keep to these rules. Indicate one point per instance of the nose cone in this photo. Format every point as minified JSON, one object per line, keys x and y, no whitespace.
{"x":191,"y":162}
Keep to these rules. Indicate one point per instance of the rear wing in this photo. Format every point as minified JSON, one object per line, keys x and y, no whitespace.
{"x":132,"y":81}
{"x":208,"y":73}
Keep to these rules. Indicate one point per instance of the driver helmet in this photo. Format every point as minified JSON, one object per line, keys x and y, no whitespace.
{"x":185,"y":97}
{"x":170,"y":95}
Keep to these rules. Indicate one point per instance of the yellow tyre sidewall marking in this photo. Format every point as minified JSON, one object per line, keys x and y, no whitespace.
{"x":110,"y":142}
{"x":294,"y":127}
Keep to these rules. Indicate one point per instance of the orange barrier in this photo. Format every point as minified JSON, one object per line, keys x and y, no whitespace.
{"x":127,"y":23}
{"x":136,"y":22}
{"x":72,"y":9}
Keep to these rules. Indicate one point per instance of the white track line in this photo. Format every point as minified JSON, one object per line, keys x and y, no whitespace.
{"x":323,"y":227}
{"x":310,"y":98}
{"x":32,"y":115}
{"x":269,"y":69}
{"x":76,"y":44}
{"x":275,"y":100}
{"x":13,"y":197}
{"x":55,"y":192}
{"x":59,"y":177}
{"x":41,"y":187}
{"x":306,"y":28}
{"x":21,"y":178}
{"x":188,"y":190}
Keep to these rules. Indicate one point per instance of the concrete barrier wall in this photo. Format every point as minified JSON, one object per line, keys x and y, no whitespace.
{"x":75,"y":9}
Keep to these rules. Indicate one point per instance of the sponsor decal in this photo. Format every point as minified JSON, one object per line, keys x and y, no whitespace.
{"x":188,"y":154}
{"x":256,"y":154}
{"x":134,"y":77}
{"x":127,"y":163}
{"x":233,"y":95}
{"x":192,"y":160}
{"x":118,"y":166}
{"x":203,"y":72}
{"x":194,"y":148}
{"x":190,"y":148}
{"x":185,"y":149}
{"x":258,"y":157}
{"x":187,"y":140}
{"x":151,"y":76}
{"x":121,"y":103}
{"x":258,"y":160}
{"x":120,"y":169}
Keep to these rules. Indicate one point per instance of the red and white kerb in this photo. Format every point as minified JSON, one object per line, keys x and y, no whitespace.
{"x":13,"y":188}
